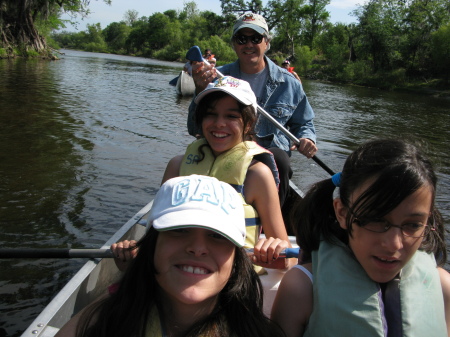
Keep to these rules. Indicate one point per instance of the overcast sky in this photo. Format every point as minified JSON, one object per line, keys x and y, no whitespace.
{"x":339,"y":10}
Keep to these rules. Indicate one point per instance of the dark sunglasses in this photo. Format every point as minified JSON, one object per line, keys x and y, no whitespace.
{"x":242,"y":39}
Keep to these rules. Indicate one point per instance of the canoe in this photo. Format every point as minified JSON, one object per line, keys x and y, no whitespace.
{"x":185,"y":84}
{"x":93,"y":279}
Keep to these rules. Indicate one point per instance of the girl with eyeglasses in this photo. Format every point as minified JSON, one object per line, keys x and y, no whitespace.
{"x":368,"y":261}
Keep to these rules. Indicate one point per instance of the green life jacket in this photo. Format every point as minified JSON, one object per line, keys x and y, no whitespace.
{"x":230,"y":167}
{"x":348,"y":303}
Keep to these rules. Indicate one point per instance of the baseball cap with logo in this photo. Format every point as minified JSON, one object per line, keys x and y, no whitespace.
{"x":253,"y":21}
{"x":200,"y":202}
{"x":235,"y":87}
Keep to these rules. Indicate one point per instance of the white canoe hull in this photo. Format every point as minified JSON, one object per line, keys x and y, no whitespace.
{"x":185,"y":85}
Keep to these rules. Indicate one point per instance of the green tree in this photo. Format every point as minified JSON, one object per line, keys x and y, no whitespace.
{"x":334,"y":45}
{"x":421,"y":18}
{"x":440,"y":51}
{"x":214,"y":24}
{"x":288,"y":17}
{"x":379,"y":33}
{"x":162,"y":32}
{"x":304,"y":57}
{"x":136,"y":42}
{"x":158,"y":26}
{"x":317,"y":17}
{"x":130,"y":16}
{"x":238,"y":7}
{"x":18,"y":20}
{"x":94,"y":39}
{"x":116,"y":35}
{"x":190,"y":9}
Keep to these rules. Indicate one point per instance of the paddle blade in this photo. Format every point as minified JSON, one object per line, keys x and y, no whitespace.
{"x":194,"y":54}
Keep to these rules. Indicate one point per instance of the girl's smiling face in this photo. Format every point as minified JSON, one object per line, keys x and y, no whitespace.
{"x":222,"y":126}
{"x":383,"y":255}
{"x":193,"y":265}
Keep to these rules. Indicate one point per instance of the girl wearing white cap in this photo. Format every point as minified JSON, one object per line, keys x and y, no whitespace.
{"x":190,"y":277}
{"x":226,"y":114}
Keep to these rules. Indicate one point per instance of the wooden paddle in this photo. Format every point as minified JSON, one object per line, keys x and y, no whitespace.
{"x":89,"y":253}
{"x":195,"y":54}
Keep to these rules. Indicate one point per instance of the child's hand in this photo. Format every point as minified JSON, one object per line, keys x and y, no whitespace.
{"x":123,"y":253}
{"x":267,"y":251}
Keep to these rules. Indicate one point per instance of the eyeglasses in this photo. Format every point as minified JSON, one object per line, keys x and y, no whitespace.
{"x":242,"y":39}
{"x":412,"y":230}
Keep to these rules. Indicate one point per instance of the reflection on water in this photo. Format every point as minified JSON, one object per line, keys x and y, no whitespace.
{"x":85,"y":141}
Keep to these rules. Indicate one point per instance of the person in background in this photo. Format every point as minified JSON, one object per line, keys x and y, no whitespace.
{"x":286,"y":65}
{"x":368,"y":260}
{"x":208,"y":54}
{"x":190,"y":277}
{"x":277,"y":91}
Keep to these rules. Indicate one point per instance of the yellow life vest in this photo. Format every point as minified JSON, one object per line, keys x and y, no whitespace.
{"x":230,"y":167}
{"x":154,"y":326}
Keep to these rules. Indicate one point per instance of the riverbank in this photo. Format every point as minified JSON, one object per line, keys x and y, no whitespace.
{"x":433,"y":88}
{"x":437,"y":88}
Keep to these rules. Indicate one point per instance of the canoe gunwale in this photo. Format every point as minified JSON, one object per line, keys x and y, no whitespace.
{"x":45,"y":325}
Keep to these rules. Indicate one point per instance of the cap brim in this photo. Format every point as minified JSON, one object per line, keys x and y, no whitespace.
{"x":256,"y":28}
{"x":205,"y":92}
{"x":199,"y":219}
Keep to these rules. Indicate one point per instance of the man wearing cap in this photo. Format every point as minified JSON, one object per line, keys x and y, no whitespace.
{"x":277,"y":91}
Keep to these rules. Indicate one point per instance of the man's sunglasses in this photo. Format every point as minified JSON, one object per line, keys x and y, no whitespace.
{"x":242,"y":39}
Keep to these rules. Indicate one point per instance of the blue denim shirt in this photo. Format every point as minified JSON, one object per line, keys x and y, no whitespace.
{"x":283,"y":98}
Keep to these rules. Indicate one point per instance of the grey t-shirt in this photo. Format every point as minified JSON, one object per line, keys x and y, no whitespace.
{"x":257,"y":82}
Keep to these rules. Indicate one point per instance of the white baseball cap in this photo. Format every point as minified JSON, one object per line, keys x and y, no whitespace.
{"x":252,"y":21}
{"x":201,"y":202}
{"x":235,"y":87}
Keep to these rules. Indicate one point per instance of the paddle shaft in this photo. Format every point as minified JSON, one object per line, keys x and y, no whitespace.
{"x":52,"y":253}
{"x":283,"y":129}
{"x":66,"y":253}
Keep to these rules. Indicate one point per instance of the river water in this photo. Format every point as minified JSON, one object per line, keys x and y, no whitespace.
{"x":85,"y":140}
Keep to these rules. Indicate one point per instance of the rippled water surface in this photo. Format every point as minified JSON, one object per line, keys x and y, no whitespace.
{"x":84,"y":142}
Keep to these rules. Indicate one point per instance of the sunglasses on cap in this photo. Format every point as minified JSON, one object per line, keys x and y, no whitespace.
{"x":242,"y":39}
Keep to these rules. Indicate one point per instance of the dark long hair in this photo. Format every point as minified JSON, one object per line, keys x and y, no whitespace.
{"x":238,"y":311}
{"x":398,"y":169}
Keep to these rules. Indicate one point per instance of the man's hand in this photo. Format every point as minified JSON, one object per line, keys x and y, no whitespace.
{"x":306,"y":147}
{"x":203,"y":75}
